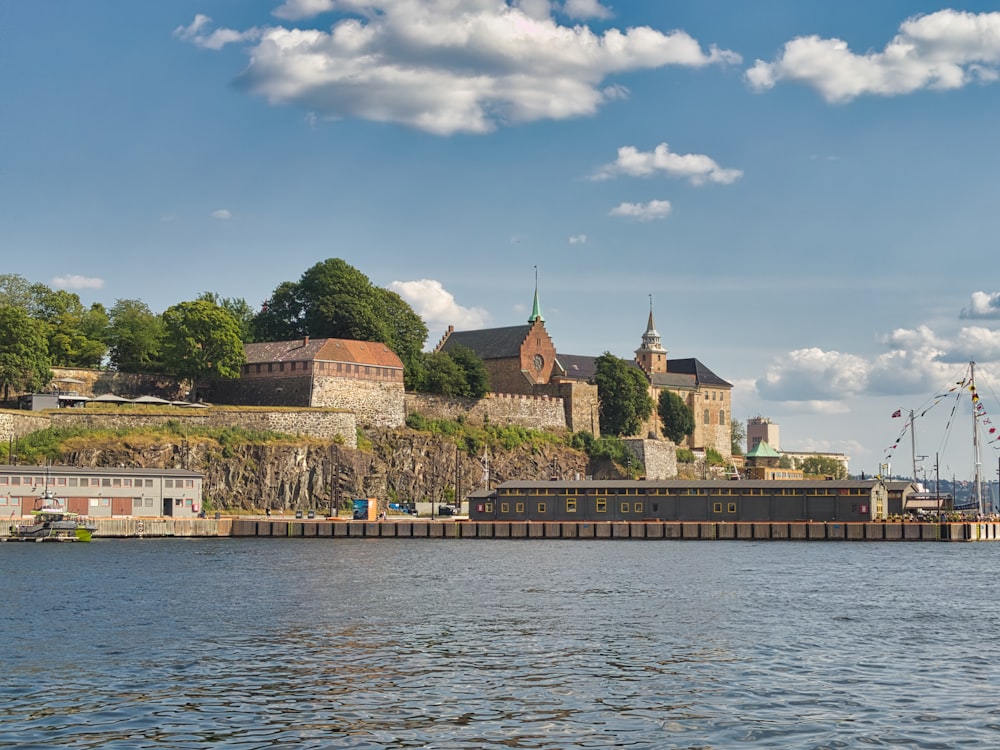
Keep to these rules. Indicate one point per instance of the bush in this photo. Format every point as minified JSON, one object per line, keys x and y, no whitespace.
{"x":685,"y":456}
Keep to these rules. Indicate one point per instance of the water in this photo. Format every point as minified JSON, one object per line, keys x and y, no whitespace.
{"x":262,"y":643}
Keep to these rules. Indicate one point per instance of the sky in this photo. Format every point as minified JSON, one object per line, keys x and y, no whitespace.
{"x":806,"y":192}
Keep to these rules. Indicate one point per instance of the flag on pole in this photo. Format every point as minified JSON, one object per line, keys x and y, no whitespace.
{"x":897,"y":413}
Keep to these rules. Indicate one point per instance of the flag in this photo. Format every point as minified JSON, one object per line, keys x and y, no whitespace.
{"x":897,"y":413}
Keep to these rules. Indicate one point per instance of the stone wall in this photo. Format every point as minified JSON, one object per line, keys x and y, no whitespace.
{"x":374,"y":403}
{"x":325,"y":424}
{"x":535,"y":412}
{"x":126,"y":384}
{"x":658,"y":456}
{"x":583,"y":409}
{"x":285,"y":391}
{"x":16,"y":424}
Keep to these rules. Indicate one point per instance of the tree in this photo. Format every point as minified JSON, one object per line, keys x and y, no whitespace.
{"x":823,"y":466}
{"x":676,"y":416}
{"x":24,"y":361}
{"x":75,"y":333}
{"x":477,"y":379}
{"x":738,"y":437}
{"x":240,"y":309}
{"x":135,"y":337}
{"x":334,"y":299}
{"x":442,"y":375}
{"x":201,"y":341}
{"x":624,"y":396}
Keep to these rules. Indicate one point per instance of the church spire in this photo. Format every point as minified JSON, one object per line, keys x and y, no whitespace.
{"x":536,"y":309}
{"x":651,"y":356}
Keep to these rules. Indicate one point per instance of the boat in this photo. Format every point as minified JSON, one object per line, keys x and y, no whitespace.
{"x":53,"y":523}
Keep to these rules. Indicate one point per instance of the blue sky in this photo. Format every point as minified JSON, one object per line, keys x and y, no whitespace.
{"x":807,"y":189}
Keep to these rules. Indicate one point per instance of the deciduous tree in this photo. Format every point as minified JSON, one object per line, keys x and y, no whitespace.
{"x":201,"y":341}
{"x":24,"y":361}
{"x":676,"y":416}
{"x":624,"y":396}
{"x":135,"y":337}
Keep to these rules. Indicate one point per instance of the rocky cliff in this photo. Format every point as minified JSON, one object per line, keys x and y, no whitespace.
{"x":398,"y":465}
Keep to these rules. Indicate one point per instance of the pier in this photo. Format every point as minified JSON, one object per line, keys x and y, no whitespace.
{"x":409,"y":528}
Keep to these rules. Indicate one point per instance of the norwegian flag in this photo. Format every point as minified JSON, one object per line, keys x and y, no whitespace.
{"x":897,"y":413}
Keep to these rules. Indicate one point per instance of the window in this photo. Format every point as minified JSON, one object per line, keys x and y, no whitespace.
{"x":638,"y":507}
{"x":3,"y":480}
{"x":708,"y":419}
{"x":106,"y":482}
{"x":15,"y":481}
{"x":149,"y":483}
{"x":602,"y":505}
{"x":732,"y":508}
{"x":489,"y":507}
{"x":136,"y":502}
{"x":722,"y":416}
{"x":126,"y":482}
{"x":179,"y":502}
{"x":72,"y":481}
{"x":519,"y":507}
{"x":571,"y":506}
{"x":189,"y":483}
{"x":541,"y":507}
{"x":624,"y":507}
{"x":168,"y":483}
{"x":149,"y":502}
{"x":95,"y":482}
{"x":505,"y":507}
{"x":716,"y":507}
{"x":116,"y":482}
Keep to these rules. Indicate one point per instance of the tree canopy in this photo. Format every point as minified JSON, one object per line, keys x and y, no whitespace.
{"x":823,"y":466}
{"x":135,"y":337}
{"x":457,"y":372}
{"x":333,"y":299}
{"x":201,"y":341}
{"x":623,"y":393}
{"x":24,"y":360}
{"x":676,"y":416}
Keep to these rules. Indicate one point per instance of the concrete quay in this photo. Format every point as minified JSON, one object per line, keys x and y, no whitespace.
{"x":409,"y":528}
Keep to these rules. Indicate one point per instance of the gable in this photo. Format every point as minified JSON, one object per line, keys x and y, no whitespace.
{"x":490,"y":343}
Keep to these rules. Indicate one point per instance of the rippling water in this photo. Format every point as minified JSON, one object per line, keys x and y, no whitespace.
{"x":265,"y":643}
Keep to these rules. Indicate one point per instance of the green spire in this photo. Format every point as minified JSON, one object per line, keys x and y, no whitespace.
{"x":536,"y":310}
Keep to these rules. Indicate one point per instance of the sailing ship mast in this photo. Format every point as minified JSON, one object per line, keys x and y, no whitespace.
{"x":977,"y":488}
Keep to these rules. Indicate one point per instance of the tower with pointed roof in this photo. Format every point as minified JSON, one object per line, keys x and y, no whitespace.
{"x":651,"y":356}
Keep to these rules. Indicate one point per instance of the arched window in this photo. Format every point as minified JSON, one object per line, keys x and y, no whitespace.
{"x":722,"y":416}
{"x":708,"y":417}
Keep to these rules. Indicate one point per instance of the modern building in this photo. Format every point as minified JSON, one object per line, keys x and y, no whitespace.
{"x":100,"y":493}
{"x":762,"y":430}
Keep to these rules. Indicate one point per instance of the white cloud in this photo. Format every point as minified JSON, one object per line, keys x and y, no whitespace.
{"x":585,"y":9}
{"x":983,"y":305}
{"x":196,"y":34}
{"x":814,"y":375}
{"x":293,"y":10}
{"x":448,"y":66}
{"x":578,"y":239}
{"x":75,"y":281}
{"x":944,"y":50}
{"x":642,"y":211}
{"x":437,"y":306}
{"x":697,"y":168}
{"x":223,"y":214}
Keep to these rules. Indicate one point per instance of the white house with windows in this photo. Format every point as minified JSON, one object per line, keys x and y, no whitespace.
{"x":100,"y":493}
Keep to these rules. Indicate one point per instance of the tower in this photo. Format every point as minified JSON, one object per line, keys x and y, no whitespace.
{"x":651,"y":356}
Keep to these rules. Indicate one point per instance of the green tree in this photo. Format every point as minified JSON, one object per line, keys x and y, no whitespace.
{"x":477,"y":379}
{"x":240,"y":309}
{"x":676,"y":416}
{"x":333,"y":299}
{"x":201,"y":341}
{"x":16,"y":291}
{"x":24,"y":361}
{"x":823,"y":466}
{"x":75,"y":333}
{"x":440,"y":374}
{"x":624,"y":396}
{"x":738,"y":437}
{"x":135,"y":337}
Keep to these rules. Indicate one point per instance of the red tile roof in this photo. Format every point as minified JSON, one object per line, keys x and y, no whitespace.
{"x":327,"y":350}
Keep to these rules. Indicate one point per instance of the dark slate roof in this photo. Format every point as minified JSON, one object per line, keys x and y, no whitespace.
{"x":577,"y":366}
{"x":681,"y":373}
{"x":490,"y":343}
{"x":692,"y":366}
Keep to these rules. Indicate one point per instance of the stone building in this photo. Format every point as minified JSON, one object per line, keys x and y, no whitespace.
{"x":364,"y":377}
{"x":523,"y":360}
{"x":706,"y":394}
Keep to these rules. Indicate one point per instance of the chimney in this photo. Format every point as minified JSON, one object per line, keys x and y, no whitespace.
{"x":306,"y":342}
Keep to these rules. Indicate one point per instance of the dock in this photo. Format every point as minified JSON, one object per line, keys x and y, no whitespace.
{"x":410,"y":528}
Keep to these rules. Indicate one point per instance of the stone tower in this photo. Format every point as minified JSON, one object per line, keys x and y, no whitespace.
{"x":651,"y":356}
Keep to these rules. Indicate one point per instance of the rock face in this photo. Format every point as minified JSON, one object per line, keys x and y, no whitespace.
{"x":398,"y":466}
